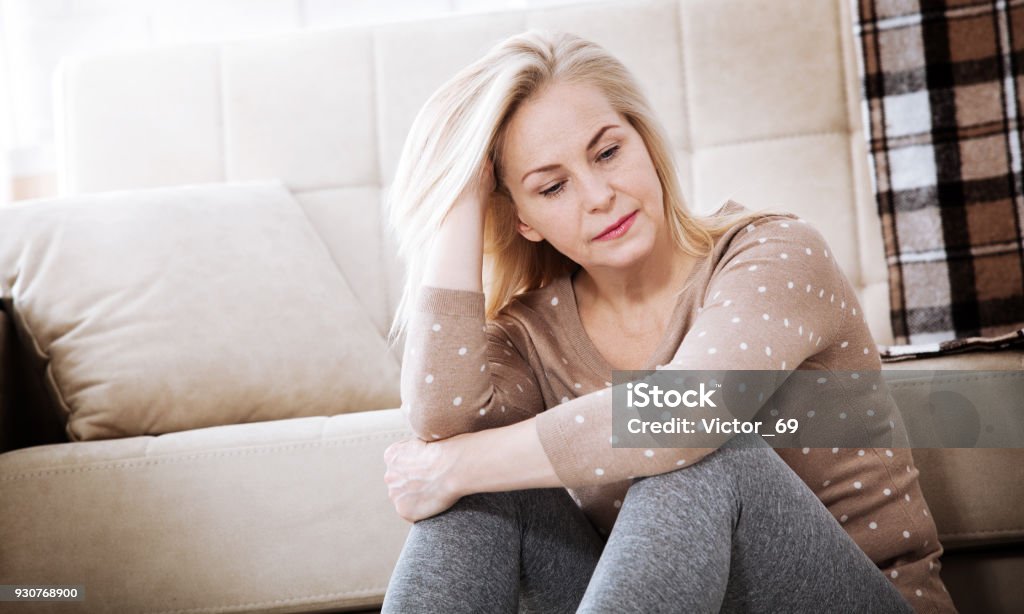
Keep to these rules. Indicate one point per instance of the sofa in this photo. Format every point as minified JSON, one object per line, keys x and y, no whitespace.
{"x":141,"y":459}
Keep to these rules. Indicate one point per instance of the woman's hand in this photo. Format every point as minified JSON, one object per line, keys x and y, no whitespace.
{"x":420,"y":477}
{"x":478,"y":191}
{"x":455,"y":260}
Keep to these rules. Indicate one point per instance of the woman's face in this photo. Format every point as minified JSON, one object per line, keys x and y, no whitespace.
{"x":575,"y":168}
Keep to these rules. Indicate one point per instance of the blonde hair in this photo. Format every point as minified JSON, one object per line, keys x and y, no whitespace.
{"x":463,"y":124}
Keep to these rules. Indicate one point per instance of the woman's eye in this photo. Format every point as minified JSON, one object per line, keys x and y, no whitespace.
{"x":608,"y":154}
{"x":553,"y":190}
{"x":604,"y":156}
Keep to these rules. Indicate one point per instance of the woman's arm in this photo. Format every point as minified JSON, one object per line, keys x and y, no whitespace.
{"x":458,"y":374}
{"x":501,"y":459}
{"x":425,"y":479}
{"x":456,"y":258}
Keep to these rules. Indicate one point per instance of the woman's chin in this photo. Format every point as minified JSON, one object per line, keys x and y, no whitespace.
{"x":627,"y":257}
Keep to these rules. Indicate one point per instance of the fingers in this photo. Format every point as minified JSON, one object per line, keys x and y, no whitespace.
{"x":403,"y":507}
{"x":391,"y":451}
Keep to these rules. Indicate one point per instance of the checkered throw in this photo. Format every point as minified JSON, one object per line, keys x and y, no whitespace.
{"x":942,"y":101}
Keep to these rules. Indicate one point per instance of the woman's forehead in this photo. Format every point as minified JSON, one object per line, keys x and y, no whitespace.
{"x":562,"y":117}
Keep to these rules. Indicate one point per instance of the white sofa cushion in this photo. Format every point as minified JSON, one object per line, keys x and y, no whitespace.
{"x":162,"y":310}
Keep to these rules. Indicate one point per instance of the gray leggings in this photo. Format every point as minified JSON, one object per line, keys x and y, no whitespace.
{"x":736,"y":532}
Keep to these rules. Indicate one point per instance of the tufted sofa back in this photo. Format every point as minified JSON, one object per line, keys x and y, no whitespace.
{"x":760,"y":99}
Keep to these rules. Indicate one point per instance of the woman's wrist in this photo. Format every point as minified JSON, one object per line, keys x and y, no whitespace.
{"x":479,"y":461}
{"x":456,"y":256}
{"x":456,"y":451}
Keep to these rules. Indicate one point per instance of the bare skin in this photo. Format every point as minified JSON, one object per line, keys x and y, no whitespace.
{"x":594,"y":169}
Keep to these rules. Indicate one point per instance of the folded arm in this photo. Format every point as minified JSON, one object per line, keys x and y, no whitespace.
{"x":775,"y":299}
{"x":770,"y":305}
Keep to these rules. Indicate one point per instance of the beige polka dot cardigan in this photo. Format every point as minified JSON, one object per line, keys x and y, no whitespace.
{"x":461,"y":374}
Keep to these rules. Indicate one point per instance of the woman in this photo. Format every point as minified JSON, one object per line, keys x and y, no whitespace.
{"x":565,"y":182}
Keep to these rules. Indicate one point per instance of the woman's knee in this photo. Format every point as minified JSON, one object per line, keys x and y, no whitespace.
{"x":713,"y":477}
{"x":508,"y":504}
{"x":485,"y":511}
{"x":739,"y":449}
{"x":701,"y":484}
{"x":712,"y":468}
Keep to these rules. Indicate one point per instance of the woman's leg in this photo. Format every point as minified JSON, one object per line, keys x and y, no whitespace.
{"x":736,"y":532}
{"x":518,"y":551}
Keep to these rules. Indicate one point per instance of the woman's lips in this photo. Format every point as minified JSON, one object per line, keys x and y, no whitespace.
{"x":619,"y":230}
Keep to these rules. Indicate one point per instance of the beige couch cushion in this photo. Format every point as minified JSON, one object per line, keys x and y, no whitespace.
{"x":282,"y":516}
{"x":177,"y":308}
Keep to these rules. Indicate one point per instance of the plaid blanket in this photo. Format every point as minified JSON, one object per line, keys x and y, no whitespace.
{"x":942,"y":101}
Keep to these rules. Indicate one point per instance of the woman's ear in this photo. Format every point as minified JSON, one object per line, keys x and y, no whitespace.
{"x":528,"y":231}
{"x":522,"y":227}
{"x":504,"y":203}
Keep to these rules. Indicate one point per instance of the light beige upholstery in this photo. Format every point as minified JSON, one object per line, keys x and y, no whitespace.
{"x":761,"y":102}
{"x":283,"y":516}
{"x":188,"y":307}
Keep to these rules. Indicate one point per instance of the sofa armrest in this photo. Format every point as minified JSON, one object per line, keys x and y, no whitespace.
{"x":974,"y":493}
{"x":1002,"y":360}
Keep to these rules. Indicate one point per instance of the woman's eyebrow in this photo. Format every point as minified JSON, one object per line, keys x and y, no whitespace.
{"x":590,"y":146}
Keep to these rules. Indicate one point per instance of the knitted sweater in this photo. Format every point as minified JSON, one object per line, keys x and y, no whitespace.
{"x":461,"y":374}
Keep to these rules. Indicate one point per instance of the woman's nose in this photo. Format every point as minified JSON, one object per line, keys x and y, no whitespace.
{"x":596,"y":191}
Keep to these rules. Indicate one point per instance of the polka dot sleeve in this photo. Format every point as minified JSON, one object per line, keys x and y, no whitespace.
{"x":459,"y":374}
{"x":776,"y":298}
